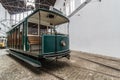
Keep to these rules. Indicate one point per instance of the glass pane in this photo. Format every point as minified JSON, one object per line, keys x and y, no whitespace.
{"x":62,"y":29}
{"x":32,"y":28}
{"x":21,"y":33}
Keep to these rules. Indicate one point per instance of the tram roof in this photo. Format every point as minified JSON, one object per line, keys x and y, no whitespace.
{"x":52,"y":17}
{"x":58,"y":19}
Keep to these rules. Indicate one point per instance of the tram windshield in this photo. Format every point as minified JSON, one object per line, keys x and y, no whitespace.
{"x":62,"y":29}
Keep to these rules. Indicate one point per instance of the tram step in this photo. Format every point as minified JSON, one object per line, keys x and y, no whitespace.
{"x":31,"y":61}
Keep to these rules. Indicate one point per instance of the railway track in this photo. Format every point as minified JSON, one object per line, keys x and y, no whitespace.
{"x":51,"y":70}
{"x":74,"y":72}
{"x":110,"y":62}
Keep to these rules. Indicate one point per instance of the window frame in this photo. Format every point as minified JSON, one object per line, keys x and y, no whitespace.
{"x":28,"y":27}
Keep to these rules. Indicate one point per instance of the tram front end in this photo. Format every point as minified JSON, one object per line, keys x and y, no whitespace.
{"x":56,"y":46}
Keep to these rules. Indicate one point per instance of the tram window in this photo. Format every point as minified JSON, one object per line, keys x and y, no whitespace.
{"x":62,"y":29}
{"x":43,"y":29}
{"x":32,"y":28}
{"x":14,"y":38}
{"x":11,"y":40}
{"x":21,"y":27}
{"x":20,"y":36}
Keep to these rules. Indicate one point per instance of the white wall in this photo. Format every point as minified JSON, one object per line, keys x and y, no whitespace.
{"x":2,"y":17}
{"x":67,"y":7}
{"x":59,"y":4}
{"x":96,"y":28}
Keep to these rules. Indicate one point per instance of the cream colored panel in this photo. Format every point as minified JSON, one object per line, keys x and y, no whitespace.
{"x":43,"y":17}
{"x":34,"y":20}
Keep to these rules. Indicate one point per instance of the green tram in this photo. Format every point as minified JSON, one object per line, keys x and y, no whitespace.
{"x":44,"y":34}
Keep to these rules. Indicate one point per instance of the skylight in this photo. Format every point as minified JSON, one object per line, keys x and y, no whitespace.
{"x":30,"y":3}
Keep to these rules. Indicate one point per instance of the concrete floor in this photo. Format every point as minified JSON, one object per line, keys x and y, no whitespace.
{"x":3,"y":52}
{"x":81,"y":66}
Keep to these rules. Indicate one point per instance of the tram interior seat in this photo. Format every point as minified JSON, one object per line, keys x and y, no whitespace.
{"x":35,"y":43}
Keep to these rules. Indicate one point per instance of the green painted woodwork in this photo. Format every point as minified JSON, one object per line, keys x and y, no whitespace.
{"x":27,"y":42}
{"x":25,"y":36}
{"x":52,"y":44}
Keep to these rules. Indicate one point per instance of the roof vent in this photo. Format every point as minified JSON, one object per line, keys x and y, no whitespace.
{"x":50,"y":16}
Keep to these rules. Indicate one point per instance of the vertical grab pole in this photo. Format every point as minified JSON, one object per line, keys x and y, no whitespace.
{"x":55,"y":40}
{"x":55,"y":37}
{"x":68,"y":34}
{"x":40,"y":40}
{"x":68,"y":28}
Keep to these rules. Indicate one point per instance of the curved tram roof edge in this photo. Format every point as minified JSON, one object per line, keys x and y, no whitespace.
{"x":41,"y":9}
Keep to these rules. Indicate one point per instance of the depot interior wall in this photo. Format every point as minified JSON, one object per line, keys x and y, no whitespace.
{"x":59,"y":4}
{"x":96,"y":28}
{"x":4,"y":15}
